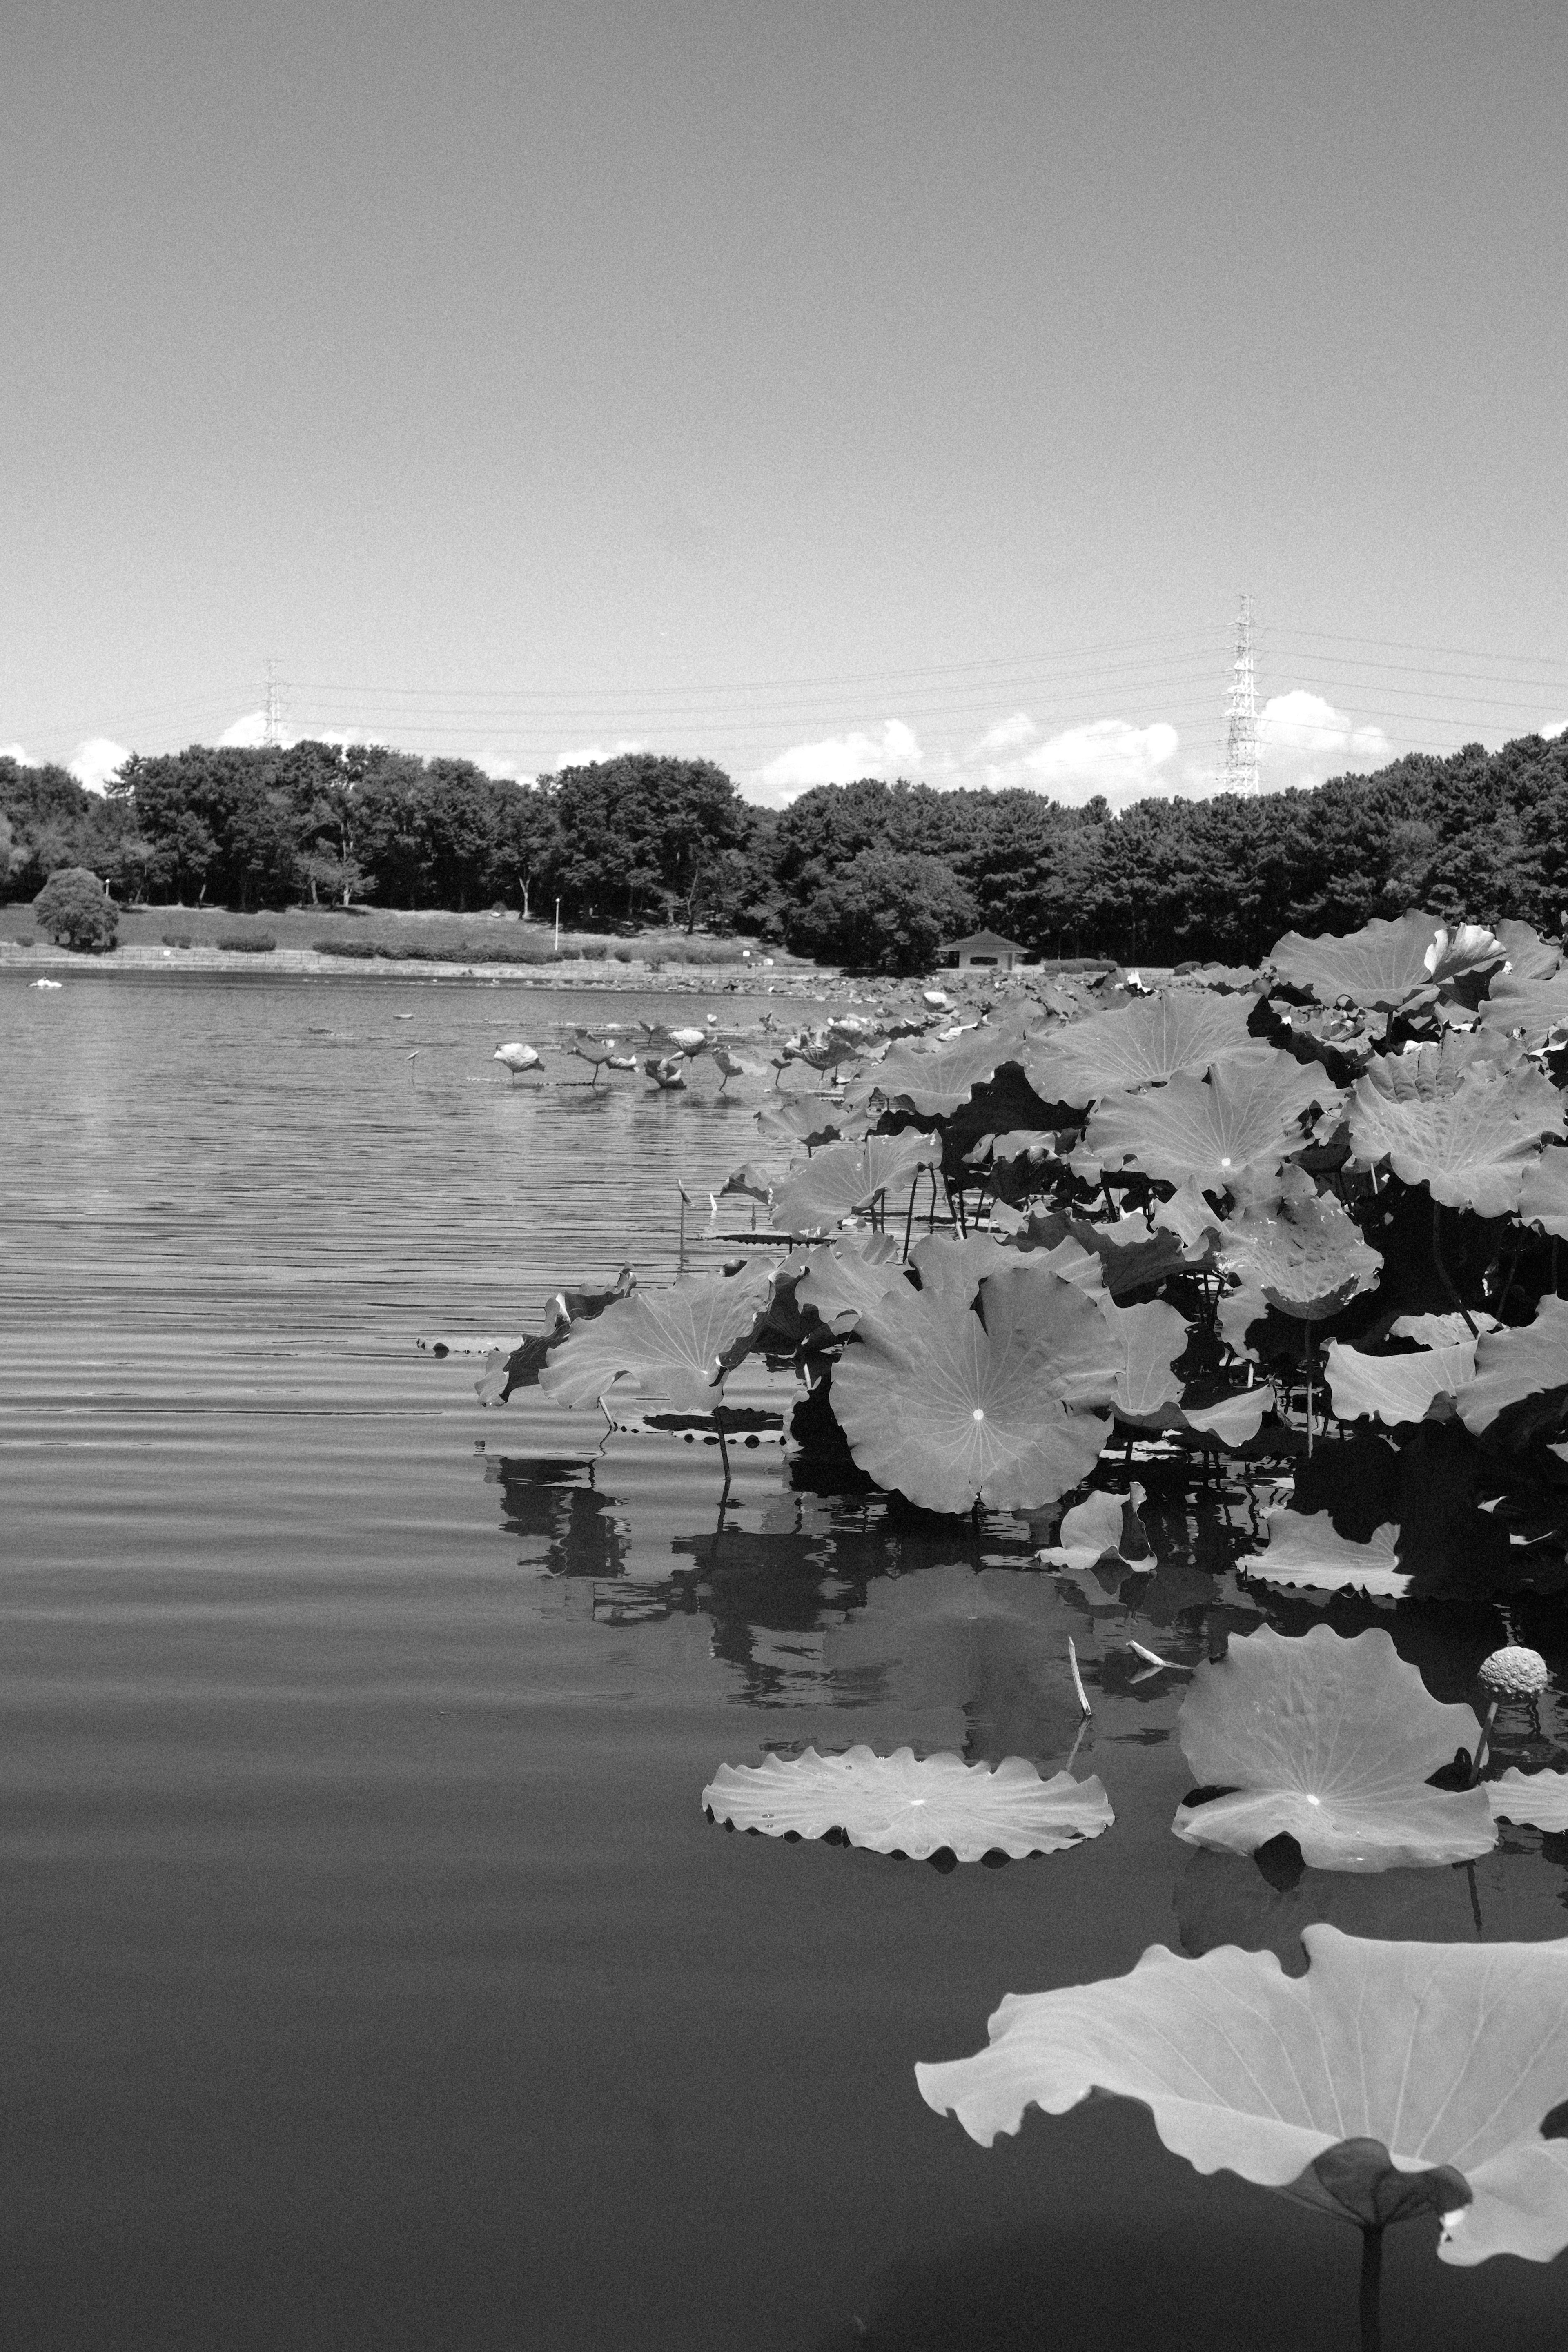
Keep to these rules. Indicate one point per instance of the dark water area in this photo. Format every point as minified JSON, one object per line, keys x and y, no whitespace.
{"x":373,"y":1976}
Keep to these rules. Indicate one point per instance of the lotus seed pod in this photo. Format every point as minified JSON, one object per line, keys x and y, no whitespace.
{"x":1513,"y":1673}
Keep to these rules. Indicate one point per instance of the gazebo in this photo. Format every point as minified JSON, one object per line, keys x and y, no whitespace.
{"x":984,"y":949}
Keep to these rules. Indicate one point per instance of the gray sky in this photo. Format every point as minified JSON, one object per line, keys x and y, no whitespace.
{"x":919,"y":382}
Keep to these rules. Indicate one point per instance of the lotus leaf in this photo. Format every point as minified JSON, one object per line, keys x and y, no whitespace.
{"x":1470,"y":1146}
{"x":936,"y":1080}
{"x":1330,"y":1742}
{"x":1544,"y":1195}
{"x":1019,"y":1143}
{"x":1306,"y":1549}
{"x":1141,"y":1047}
{"x":1390,"y":2079}
{"x":957,"y":1268}
{"x":1399,"y":1389}
{"x":846,"y":1178}
{"x":1226,"y":1420}
{"x":1530,"y":957}
{"x":673,"y":1343}
{"x":1247,"y":1112}
{"x":1534,"y":1010}
{"x":951,"y":1410}
{"x":842,"y":1278}
{"x":1188,"y":1215}
{"x":897,"y":1804}
{"x":1133,"y":1255}
{"x":1104,"y":1526}
{"x":809,"y":1121}
{"x":1537,"y":1799}
{"x":1304,"y":1255}
{"x":527,"y":1360}
{"x":1152,"y":1337}
{"x":1522,"y":1374}
{"x":1440,"y":1331}
{"x":1382,"y":963}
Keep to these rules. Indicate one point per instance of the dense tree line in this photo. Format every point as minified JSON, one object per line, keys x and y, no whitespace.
{"x":869,"y":873}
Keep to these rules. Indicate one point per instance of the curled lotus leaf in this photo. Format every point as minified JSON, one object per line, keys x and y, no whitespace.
{"x":1246,"y":1113}
{"x":935,"y":1080}
{"x":522,"y":1369}
{"x":1226,"y":1421}
{"x":900,"y":1804}
{"x":810,"y":1120}
{"x":1330,"y":1742}
{"x":1544,"y":1194}
{"x":676,"y":1344}
{"x":1522,"y":1377}
{"x":1103,"y":1527}
{"x":842,"y":1278}
{"x":1132,"y":1253}
{"x":1539,"y":1799}
{"x":1396,"y":1390}
{"x":1190,"y":1217}
{"x":1391,"y":2079}
{"x":1306,"y":1550}
{"x":1382,"y":963}
{"x":1302,"y":1253}
{"x":1470,"y":1146}
{"x":952,"y":1410}
{"x":845,"y":1179}
{"x":1144,"y":1046}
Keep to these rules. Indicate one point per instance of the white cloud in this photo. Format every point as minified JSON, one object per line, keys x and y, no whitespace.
{"x":93,"y":762}
{"x":1302,"y":741}
{"x":23,"y":758}
{"x":247,"y":733}
{"x":1108,"y":757}
{"x":1008,"y":733}
{"x":592,"y":754}
{"x":892,"y":750}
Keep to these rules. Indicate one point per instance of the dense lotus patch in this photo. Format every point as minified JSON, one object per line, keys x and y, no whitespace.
{"x":1246,"y":1114}
{"x":1330,"y":1742}
{"x":1144,"y":1045}
{"x":1382,"y":964}
{"x":1391,"y":2081}
{"x":901,"y":1805}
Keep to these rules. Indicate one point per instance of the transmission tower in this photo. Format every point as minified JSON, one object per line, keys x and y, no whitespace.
{"x":272,"y":722}
{"x":1241,"y":711}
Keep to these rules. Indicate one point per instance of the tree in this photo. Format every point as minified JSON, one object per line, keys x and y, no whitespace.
{"x":74,"y":910}
{"x":884,"y":912}
{"x":643,"y":831}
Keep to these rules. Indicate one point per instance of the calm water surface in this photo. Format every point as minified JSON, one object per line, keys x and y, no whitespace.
{"x":373,"y":1976}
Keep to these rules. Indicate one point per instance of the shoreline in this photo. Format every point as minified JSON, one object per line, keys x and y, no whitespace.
{"x":307,"y":963}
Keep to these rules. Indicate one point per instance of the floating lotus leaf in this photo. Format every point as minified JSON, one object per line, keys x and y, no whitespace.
{"x":1247,"y":1112}
{"x":897,"y":1804}
{"x":1329,"y":1742}
{"x":1539,"y":1800}
{"x":846,"y":1178}
{"x":1382,"y":963}
{"x":1105,"y":1526}
{"x":938,"y":1079}
{"x":1544,"y":1195}
{"x":1302,"y":1255}
{"x":1142,"y":1046}
{"x":675,"y":1343}
{"x":1389,"y":2080}
{"x":1305,"y":1550}
{"x":1470,"y":1146}
{"x":1399,"y":1389}
{"x":842,"y":1278}
{"x":1522,"y":1374}
{"x":951,"y":1411}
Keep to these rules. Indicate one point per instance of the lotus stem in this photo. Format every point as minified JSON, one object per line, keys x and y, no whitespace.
{"x":1483,"y":1742}
{"x":1077,"y":1678}
{"x":1443,"y":1274}
{"x":910,"y":1219}
{"x":724,"y":1450}
{"x":1370,"y":2286}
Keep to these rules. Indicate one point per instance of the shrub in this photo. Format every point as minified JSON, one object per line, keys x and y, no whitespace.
{"x":73,"y":912}
{"x":246,"y":942}
{"x":176,"y":938}
{"x":366,"y":948}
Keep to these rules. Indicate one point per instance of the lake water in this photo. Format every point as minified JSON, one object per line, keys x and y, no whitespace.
{"x":373,"y":1976}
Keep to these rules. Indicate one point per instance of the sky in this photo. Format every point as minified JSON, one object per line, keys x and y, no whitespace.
{"x":871,"y":388}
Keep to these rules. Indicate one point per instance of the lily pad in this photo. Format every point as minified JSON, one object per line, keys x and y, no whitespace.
{"x":1144,"y":1046}
{"x":1305,"y":1550}
{"x":1247,"y":1113}
{"x":1396,"y":1390}
{"x":1391,"y":2079}
{"x":675,"y":1343}
{"x":951,"y":1410}
{"x":846,"y":1178}
{"x":899,"y":1804}
{"x":1330,"y":1742}
{"x":1470,"y":1146}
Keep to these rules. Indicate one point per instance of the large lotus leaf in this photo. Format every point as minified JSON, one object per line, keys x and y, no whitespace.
{"x":897,"y":1804}
{"x":522,"y":1368}
{"x":1153,"y":1337}
{"x":1189,"y":1216}
{"x":957,"y":1266}
{"x":1133,"y":1255}
{"x":1535,"y":1009}
{"x":1441,"y":1331}
{"x":1247,"y":1112}
{"x":1537,"y":1799}
{"x":1425,"y":1073}
{"x":1522,"y":1374}
{"x":1395,"y":1390}
{"x":1469,"y":1147}
{"x":842,"y":1278}
{"x":937,"y":1079}
{"x":672,"y":1343}
{"x":1330,"y":1742}
{"x":1142,"y":1046}
{"x":1544,"y":1195}
{"x":1382,"y":963}
{"x":950,"y":1411}
{"x":1530,"y":957}
{"x":846,"y":1178}
{"x":1303,"y":1255}
{"x":1391,"y":2078}
{"x":1306,"y":1550}
{"x":810,"y":1120}
{"x":1103,"y":1527}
